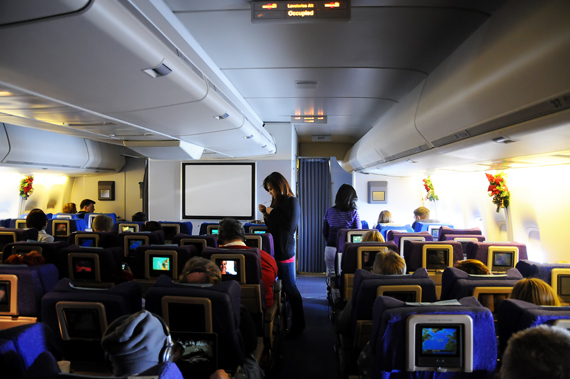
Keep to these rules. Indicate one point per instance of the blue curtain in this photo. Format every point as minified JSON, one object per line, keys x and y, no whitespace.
{"x":315,"y":196}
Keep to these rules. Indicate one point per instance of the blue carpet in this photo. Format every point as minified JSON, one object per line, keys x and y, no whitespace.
{"x":311,"y":355}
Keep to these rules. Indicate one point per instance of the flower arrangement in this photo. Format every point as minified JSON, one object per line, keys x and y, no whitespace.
{"x":26,"y":186}
{"x":498,"y":190}
{"x":428,"y":185}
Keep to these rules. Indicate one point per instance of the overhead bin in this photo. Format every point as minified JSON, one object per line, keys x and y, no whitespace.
{"x":511,"y":70}
{"x":392,"y":137}
{"x":40,"y":149}
{"x":110,"y":60}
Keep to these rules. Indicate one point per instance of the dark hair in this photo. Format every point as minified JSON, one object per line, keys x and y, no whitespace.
{"x":345,"y":198}
{"x":151,"y":226}
{"x":280,"y":184}
{"x":229,"y":230}
{"x":139,"y":216}
{"x":86,"y":203}
{"x":36,"y":219}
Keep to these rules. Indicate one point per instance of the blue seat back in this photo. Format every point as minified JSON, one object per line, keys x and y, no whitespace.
{"x":385,"y":228}
{"x":183,"y":253}
{"x":542,"y":271}
{"x":110,"y":261}
{"x":30,"y":288}
{"x":388,"y":339}
{"x":225,"y":298}
{"x":49,"y":250}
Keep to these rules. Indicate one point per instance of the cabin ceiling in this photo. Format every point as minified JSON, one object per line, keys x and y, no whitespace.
{"x":361,"y":68}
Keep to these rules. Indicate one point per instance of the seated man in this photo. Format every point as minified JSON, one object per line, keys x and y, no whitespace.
{"x":231,"y":235}
{"x":539,"y":352}
{"x":137,"y":342}
{"x":422,"y":214}
{"x":86,"y":206}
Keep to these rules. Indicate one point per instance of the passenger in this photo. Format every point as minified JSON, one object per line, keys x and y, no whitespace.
{"x":342,"y":216}
{"x":387,"y":262}
{"x":372,"y":236}
{"x":539,"y":352}
{"x":37,"y":219}
{"x":200,"y":270}
{"x":385,"y":217}
{"x":422,"y":214}
{"x":282,"y":218}
{"x":151,"y":226}
{"x":139,"y":217}
{"x":33,"y":258}
{"x":535,"y":291}
{"x":87,"y":206}
{"x":102,"y":223}
{"x":231,"y":234}
{"x":473,"y":267}
{"x":69,"y":208}
{"x":136,"y":342}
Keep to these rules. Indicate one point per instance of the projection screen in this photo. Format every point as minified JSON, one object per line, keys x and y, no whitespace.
{"x":218,"y":190}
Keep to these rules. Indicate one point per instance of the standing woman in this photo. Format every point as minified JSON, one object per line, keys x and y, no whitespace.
{"x":281,"y":219}
{"x":342,"y":216}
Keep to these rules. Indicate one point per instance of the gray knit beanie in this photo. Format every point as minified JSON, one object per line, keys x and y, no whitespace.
{"x":134,"y":342}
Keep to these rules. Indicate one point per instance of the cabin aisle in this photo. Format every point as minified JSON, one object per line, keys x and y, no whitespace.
{"x":311,"y":355}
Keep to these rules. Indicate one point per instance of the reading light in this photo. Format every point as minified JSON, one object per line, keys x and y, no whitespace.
{"x":503,"y":140}
{"x":6,"y":93}
{"x":222,"y":117}
{"x":158,"y":71}
{"x":314,"y":119}
{"x":248,"y":137}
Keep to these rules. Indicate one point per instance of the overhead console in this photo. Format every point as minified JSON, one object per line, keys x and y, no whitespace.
{"x":107,"y":59}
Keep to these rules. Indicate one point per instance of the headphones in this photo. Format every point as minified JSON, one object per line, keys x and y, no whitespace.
{"x":166,"y":354}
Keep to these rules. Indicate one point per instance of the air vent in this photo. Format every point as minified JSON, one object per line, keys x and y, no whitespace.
{"x":306,"y":84}
{"x":78,"y":125}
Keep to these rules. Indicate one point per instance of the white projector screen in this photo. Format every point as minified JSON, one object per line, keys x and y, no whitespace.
{"x":218,"y":190}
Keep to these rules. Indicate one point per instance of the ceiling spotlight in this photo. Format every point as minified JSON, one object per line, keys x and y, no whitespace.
{"x":222,"y":117}
{"x":306,"y":119}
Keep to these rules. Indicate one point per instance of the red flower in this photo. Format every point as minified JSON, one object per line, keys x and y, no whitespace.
{"x":491,"y":188}
{"x":490,"y":177}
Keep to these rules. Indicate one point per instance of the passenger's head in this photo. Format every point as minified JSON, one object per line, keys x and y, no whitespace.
{"x":539,"y":352}
{"x":385,"y":217}
{"x":421,"y":213}
{"x":151,"y":226}
{"x":69,"y":208}
{"x":87,"y":206}
{"x":535,"y":291}
{"x":278,"y":187}
{"x":102,"y":223}
{"x":372,"y":236}
{"x":139,"y":217}
{"x":473,"y":267}
{"x":36,"y":219}
{"x":33,"y":258}
{"x":230,"y":230}
{"x":134,"y":342}
{"x":200,"y":270}
{"x":389,"y":263}
{"x":345,"y":199}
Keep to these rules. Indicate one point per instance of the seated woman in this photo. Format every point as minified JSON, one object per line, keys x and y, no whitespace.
{"x":473,"y":267}
{"x":535,"y":291}
{"x":386,"y":262}
{"x":372,"y":236}
{"x":69,"y":208}
{"x":385,"y":217}
{"x":37,"y":219}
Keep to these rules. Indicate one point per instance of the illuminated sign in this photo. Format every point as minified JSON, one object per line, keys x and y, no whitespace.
{"x":300,"y":11}
{"x":309,"y":119}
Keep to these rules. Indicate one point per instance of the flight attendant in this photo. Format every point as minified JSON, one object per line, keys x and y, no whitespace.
{"x":282,"y":218}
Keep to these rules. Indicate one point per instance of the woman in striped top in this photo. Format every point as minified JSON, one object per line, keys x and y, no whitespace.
{"x":342,"y":216}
